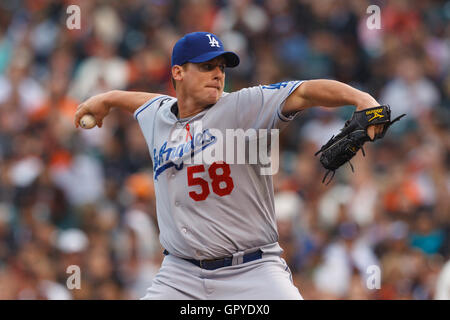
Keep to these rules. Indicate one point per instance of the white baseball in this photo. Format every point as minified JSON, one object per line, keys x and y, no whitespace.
{"x":87,"y":121}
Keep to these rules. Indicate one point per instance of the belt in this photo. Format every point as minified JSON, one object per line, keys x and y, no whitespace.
{"x":224,"y":262}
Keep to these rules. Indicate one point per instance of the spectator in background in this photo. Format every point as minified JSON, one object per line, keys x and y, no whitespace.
{"x":320,"y":129}
{"x":426,"y":237}
{"x":443,"y":283}
{"x":103,"y":71}
{"x":410,"y":91}
{"x":344,"y":259}
{"x":288,"y":208}
{"x":20,"y":93}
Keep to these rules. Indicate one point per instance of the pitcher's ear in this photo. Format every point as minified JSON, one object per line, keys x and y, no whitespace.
{"x":177,"y":72}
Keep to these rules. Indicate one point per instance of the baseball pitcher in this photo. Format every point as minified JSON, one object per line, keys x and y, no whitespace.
{"x":216,"y":219}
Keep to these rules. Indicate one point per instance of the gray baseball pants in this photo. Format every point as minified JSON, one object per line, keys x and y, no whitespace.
{"x":268,"y":278}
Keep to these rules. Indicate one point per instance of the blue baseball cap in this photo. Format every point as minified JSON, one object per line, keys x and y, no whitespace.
{"x":199,"y":47}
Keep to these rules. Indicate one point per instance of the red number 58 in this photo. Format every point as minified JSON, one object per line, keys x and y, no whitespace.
{"x":216,"y":180}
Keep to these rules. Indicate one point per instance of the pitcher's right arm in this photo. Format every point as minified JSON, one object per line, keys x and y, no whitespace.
{"x":100,"y":105}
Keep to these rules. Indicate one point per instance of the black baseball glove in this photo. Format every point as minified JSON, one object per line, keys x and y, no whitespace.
{"x":341,"y":148}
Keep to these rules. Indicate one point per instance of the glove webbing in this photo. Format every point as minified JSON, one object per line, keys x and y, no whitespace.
{"x":338,"y":155}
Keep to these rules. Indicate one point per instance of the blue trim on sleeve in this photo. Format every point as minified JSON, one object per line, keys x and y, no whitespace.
{"x":279,"y":112}
{"x":294,"y":87}
{"x":143,"y":107}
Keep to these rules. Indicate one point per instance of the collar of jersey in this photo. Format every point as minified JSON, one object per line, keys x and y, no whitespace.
{"x":174,"y":107}
{"x":174,"y":110}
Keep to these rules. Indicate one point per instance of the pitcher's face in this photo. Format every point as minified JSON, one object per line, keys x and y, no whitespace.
{"x":204,"y":81}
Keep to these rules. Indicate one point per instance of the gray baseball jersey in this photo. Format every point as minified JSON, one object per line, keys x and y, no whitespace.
{"x":208,"y":211}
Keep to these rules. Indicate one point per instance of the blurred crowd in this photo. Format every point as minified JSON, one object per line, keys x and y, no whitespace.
{"x":85,"y":197}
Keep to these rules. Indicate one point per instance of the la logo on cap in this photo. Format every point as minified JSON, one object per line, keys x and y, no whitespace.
{"x":212,"y":41}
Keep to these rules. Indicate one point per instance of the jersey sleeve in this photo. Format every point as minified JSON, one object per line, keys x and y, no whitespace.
{"x":146,"y":114}
{"x":260,"y":107}
{"x":146,"y":108}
